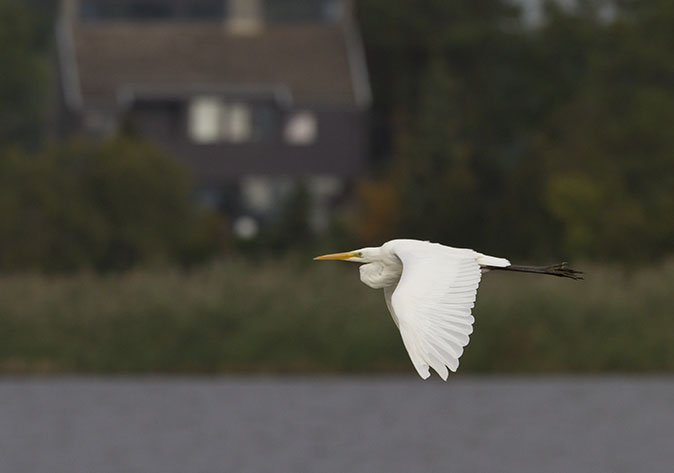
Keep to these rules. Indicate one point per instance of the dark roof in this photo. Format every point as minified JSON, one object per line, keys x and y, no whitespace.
{"x":310,"y":61}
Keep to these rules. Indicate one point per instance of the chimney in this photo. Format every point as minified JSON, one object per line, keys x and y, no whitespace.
{"x":244,"y":16}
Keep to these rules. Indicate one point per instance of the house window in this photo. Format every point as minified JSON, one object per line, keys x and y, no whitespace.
{"x":235,"y":122}
{"x":301,"y":129}
{"x":212,"y":120}
{"x":204,"y":120}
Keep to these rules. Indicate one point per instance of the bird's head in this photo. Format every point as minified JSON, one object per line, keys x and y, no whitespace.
{"x":364,"y":255}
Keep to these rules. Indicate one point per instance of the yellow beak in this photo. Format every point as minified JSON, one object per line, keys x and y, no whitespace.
{"x":336,"y":256}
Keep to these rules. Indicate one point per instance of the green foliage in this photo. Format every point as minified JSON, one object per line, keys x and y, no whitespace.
{"x":609,"y":150}
{"x":526,"y":141}
{"x":107,"y":205}
{"x":292,"y":228}
{"x":24,"y":75}
{"x":283,"y":316}
{"x":460,"y":107}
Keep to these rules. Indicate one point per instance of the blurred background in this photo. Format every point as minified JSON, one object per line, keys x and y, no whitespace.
{"x":168,"y":168}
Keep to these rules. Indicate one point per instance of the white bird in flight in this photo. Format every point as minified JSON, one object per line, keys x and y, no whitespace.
{"x":430,"y":290}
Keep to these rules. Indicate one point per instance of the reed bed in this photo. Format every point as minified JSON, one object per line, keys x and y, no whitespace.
{"x":285,"y":316}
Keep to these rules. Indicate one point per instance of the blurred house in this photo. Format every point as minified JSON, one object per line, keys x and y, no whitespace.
{"x":250,"y":95}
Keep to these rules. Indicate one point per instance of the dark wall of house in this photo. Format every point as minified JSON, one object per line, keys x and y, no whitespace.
{"x":339,"y":150}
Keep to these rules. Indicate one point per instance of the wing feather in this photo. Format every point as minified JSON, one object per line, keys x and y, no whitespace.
{"x":432,"y":303}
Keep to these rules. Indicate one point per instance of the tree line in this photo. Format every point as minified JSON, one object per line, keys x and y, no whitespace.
{"x":547,"y":140}
{"x":527,"y":140}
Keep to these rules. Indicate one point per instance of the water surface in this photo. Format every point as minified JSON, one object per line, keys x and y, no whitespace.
{"x":342,"y":424}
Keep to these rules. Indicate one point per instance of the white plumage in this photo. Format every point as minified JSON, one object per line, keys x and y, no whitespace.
{"x":430,"y":291}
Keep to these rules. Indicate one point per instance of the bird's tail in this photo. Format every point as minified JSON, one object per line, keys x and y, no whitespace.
{"x":561,"y":270}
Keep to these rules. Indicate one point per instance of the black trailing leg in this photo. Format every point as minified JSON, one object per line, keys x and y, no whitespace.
{"x":561,"y":270}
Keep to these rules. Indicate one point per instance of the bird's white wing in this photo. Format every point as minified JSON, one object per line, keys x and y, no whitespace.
{"x":388,"y":292}
{"x":432,"y":304}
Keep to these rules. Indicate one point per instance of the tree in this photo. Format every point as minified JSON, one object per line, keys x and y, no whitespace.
{"x":532,"y":142}
{"x":24,"y":77}
{"x":452,"y":81}
{"x":610,"y":150}
{"x":106,"y":206}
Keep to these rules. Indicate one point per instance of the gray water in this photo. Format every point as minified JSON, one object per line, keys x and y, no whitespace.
{"x":331,"y":425}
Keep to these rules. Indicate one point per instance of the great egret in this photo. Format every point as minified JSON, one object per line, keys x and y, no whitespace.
{"x":430,"y":290}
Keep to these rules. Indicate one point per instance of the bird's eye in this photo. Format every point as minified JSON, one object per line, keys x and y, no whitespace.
{"x":359,"y":254}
